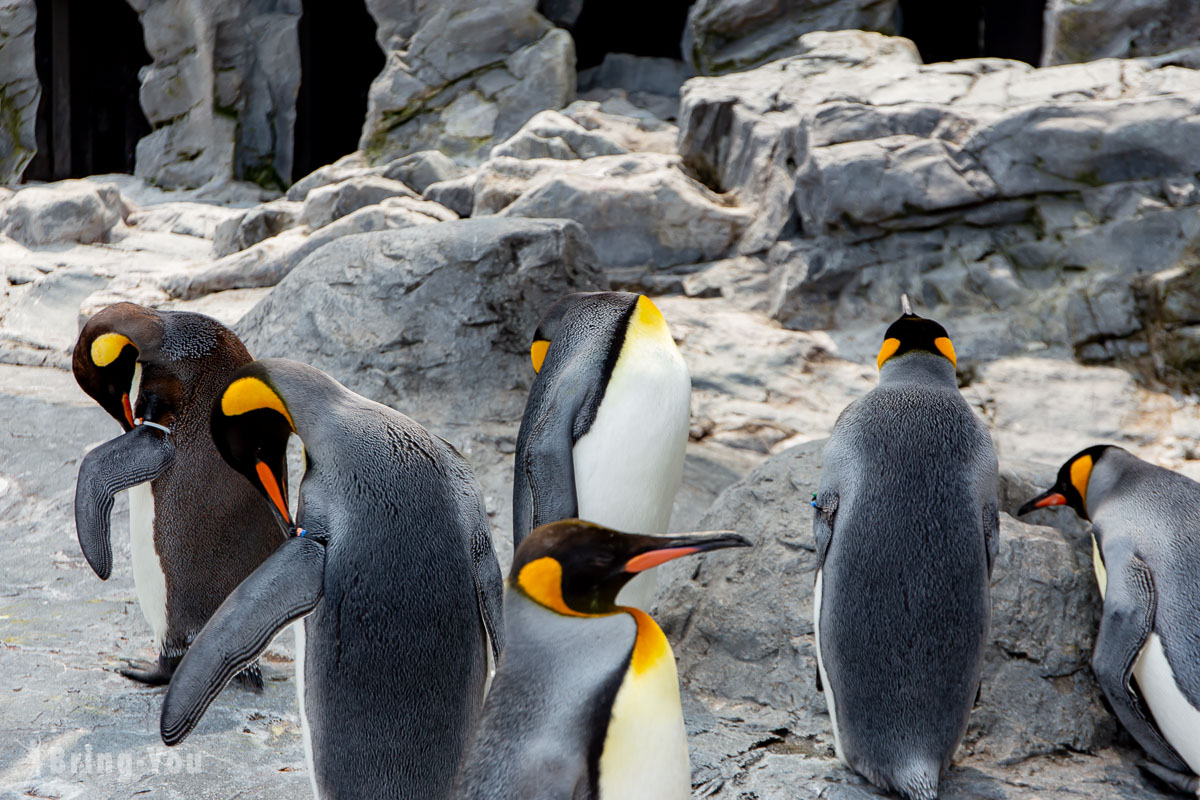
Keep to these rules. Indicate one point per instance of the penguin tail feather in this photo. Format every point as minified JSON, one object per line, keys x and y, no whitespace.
{"x":917,"y":781}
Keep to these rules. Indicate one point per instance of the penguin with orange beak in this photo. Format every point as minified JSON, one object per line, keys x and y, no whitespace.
{"x":586,"y":698}
{"x":1146,"y":555}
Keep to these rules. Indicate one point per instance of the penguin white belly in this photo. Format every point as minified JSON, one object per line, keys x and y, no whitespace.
{"x":645,"y":755}
{"x":301,"y":641}
{"x":1177,"y":719}
{"x":148,"y":578}
{"x":837,"y":736}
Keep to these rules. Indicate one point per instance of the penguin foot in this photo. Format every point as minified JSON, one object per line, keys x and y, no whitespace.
{"x":250,"y":678}
{"x":158,"y":674}
{"x":1179,"y":781}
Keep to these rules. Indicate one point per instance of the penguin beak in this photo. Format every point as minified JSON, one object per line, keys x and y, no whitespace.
{"x":1050,"y":497}
{"x":274,"y":490}
{"x":127,"y":408}
{"x":672,"y":547}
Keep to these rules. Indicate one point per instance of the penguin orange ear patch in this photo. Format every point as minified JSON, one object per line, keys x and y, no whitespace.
{"x":250,"y":394}
{"x":542,"y":581}
{"x":1081,"y":471}
{"x":889,"y":348}
{"x":107,"y":347}
{"x":537,"y":353}
{"x":946,"y":348}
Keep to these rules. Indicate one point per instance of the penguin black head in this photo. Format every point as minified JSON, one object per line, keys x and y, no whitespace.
{"x":913,"y":333}
{"x":1071,"y":487}
{"x":251,"y":425}
{"x":105,"y":361}
{"x":577,"y":568}
{"x":624,"y":313}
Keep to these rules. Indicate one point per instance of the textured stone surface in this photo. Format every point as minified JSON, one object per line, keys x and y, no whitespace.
{"x":327,"y":203}
{"x":70,"y":211}
{"x":251,"y":226}
{"x":1085,"y":30}
{"x":419,"y":170}
{"x":19,"y":89}
{"x":733,"y":35}
{"x":471,"y":75}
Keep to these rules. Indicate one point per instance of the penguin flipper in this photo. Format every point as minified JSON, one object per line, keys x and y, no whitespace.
{"x":1129,"y":605}
{"x":1180,"y":781}
{"x":549,"y":463}
{"x":489,"y":586}
{"x":134,"y":457}
{"x":824,"y":505}
{"x":284,"y":588}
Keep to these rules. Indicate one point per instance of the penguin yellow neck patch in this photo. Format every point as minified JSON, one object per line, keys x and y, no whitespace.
{"x":250,"y":394}
{"x":889,"y":348}
{"x":647,"y":322}
{"x":1081,"y":470}
{"x":651,"y":643}
{"x":537,"y":353}
{"x":107,"y":347}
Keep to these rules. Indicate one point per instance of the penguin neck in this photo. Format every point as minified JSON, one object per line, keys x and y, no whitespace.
{"x":918,"y":367}
{"x":1109,"y":473}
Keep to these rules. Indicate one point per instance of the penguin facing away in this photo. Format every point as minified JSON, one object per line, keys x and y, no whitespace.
{"x":585,"y":704}
{"x":606,"y":423}
{"x":391,"y":568}
{"x":906,"y":526}
{"x":196,"y":528}
{"x":1146,"y":555}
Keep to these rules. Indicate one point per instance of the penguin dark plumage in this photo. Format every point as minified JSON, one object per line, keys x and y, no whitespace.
{"x":196,"y":528}
{"x":394,"y":574}
{"x":1146,"y":553}
{"x":585,"y":704}
{"x":906,"y":524}
{"x":606,"y":423}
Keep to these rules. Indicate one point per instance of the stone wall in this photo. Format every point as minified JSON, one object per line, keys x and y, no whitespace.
{"x":19,"y":89}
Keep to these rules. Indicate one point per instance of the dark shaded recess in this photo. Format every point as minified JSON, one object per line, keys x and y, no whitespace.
{"x":974,"y":28}
{"x":89,"y":119}
{"x":640,"y":27}
{"x":339,"y":58}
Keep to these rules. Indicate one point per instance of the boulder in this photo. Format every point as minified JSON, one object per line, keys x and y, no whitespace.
{"x":435,"y":323}
{"x":19,"y":88}
{"x":472,"y":74}
{"x":201,"y":220}
{"x":327,"y":203}
{"x":661,"y":76}
{"x":549,"y":134}
{"x":734,"y":35}
{"x":637,"y":209}
{"x":1086,"y":31}
{"x":251,"y":226}
{"x":351,"y":165}
{"x":457,"y":194}
{"x":68,"y":211}
{"x":756,"y":719}
{"x":422,"y":169}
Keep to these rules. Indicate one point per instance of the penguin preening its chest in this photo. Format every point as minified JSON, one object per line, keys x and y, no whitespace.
{"x":196,"y":528}
{"x":391,"y":568}
{"x":585,"y":704}
{"x":606,"y":423}
{"x":1146,"y":554}
{"x":906,"y":524}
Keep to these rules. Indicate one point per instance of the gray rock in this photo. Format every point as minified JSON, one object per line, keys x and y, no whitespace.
{"x":327,"y":203}
{"x":471,"y":75}
{"x":637,"y":209}
{"x":733,"y":35}
{"x":1118,"y":29}
{"x":43,"y":328}
{"x":562,"y":13}
{"x":251,"y":226}
{"x":549,"y":134}
{"x":662,"y":76}
{"x":457,"y":194}
{"x":741,"y":626}
{"x":351,"y":165}
{"x":201,"y":220}
{"x":419,"y":170}
{"x":68,"y":211}
{"x":434,"y":322}
{"x":19,"y":88}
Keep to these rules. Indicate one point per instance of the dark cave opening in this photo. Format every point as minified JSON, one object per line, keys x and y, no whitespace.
{"x":974,"y":28}
{"x":339,"y":58}
{"x":628,"y":26}
{"x":89,"y":118}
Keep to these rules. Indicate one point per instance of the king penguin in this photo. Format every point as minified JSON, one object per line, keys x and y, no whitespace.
{"x":390,"y":564}
{"x":196,"y":528}
{"x":606,"y":423}
{"x":906,"y":524}
{"x":1146,"y":553}
{"x":585,"y":704}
